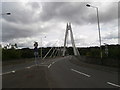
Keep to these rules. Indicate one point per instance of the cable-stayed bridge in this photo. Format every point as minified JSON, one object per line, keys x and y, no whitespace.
{"x":62,"y":72}
{"x":62,"y":51}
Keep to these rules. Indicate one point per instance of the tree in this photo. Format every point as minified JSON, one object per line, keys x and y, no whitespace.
{"x":11,"y":46}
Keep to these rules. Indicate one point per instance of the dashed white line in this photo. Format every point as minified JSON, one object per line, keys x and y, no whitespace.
{"x":42,"y":65}
{"x":27,"y":67}
{"x":80,"y":72}
{"x":35,"y":65}
{"x":49,"y":66}
{"x":32,"y":65}
{"x":13,"y":71}
{"x":113,"y":84}
{"x":53,"y":62}
{"x":8,"y":72}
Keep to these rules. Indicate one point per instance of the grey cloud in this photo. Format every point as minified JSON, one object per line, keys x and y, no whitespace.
{"x":110,"y":14}
{"x":19,"y":13}
{"x":25,"y":44}
{"x":63,"y":11}
{"x":34,"y":5}
{"x":49,"y":10}
{"x":76,"y":12}
{"x":50,"y":44}
{"x":77,"y":41}
{"x":111,"y":35}
{"x":12,"y":31}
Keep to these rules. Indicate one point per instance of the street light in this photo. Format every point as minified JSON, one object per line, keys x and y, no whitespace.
{"x":8,"y":13}
{"x":98,"y":27}
{"x":41,"y":47}
{"x":87,"y":5}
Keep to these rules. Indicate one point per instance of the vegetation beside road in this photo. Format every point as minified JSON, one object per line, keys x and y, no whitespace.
{"x":90,"y":52}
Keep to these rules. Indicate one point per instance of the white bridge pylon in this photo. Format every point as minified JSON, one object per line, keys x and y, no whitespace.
{"x":68,"y":28}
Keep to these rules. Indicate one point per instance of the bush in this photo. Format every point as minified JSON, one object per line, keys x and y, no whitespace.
{"x":8,"y":54}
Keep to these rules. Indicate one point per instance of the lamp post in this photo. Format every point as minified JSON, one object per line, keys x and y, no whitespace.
{"x":98,"y":27}
{"x":8,"y":13}
{"x":41,"y":46}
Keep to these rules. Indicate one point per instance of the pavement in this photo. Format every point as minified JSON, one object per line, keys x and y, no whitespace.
{"x":63,"y":72}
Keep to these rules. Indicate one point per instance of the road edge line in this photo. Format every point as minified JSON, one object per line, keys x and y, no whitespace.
{"x":81,"y":73}
{"x":49,"y":66}
{"x":113,"y":84}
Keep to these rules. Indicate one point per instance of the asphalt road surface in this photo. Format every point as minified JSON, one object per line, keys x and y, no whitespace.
{"x":58,"y":73}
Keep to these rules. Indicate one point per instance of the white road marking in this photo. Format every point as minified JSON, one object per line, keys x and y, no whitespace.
{"x":13,"y":71}
{"x":27,"y":67}
{"x":49,"y":66}
{"x":113,"y":84}
{"x":80,"y":72}
{"x":53,"y":62}
{"x":42,"y":65}
{"x":8,"y":72}
{"x":32,"y":66}
{"x":35,"y":65}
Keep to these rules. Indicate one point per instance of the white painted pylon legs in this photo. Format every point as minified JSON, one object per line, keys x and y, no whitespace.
{"x":68,"y":28}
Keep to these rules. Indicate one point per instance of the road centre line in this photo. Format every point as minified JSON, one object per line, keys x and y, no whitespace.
{"x":42,"y":65}
{"x":49,"y":66}
{"x":113,"y":84}
{"x":8,"y":72}
{"x":31,"y":66}
{"x":53,"y":62}
{"x":35,"y":65}
{"x":13,"y":71}
{"x":80,"y":72}
{"x":27,"y":67}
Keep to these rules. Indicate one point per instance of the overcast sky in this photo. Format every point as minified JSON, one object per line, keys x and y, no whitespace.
{"x":31,"y":21}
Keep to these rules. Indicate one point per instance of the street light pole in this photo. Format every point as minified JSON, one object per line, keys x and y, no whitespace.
{"x":99,"y":32}
{"x":41,"y":46}
{"x":6,"y":13}
{"x":98,"y":28}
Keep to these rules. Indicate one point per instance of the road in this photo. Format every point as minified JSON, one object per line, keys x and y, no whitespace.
{"x":58,"y":73}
